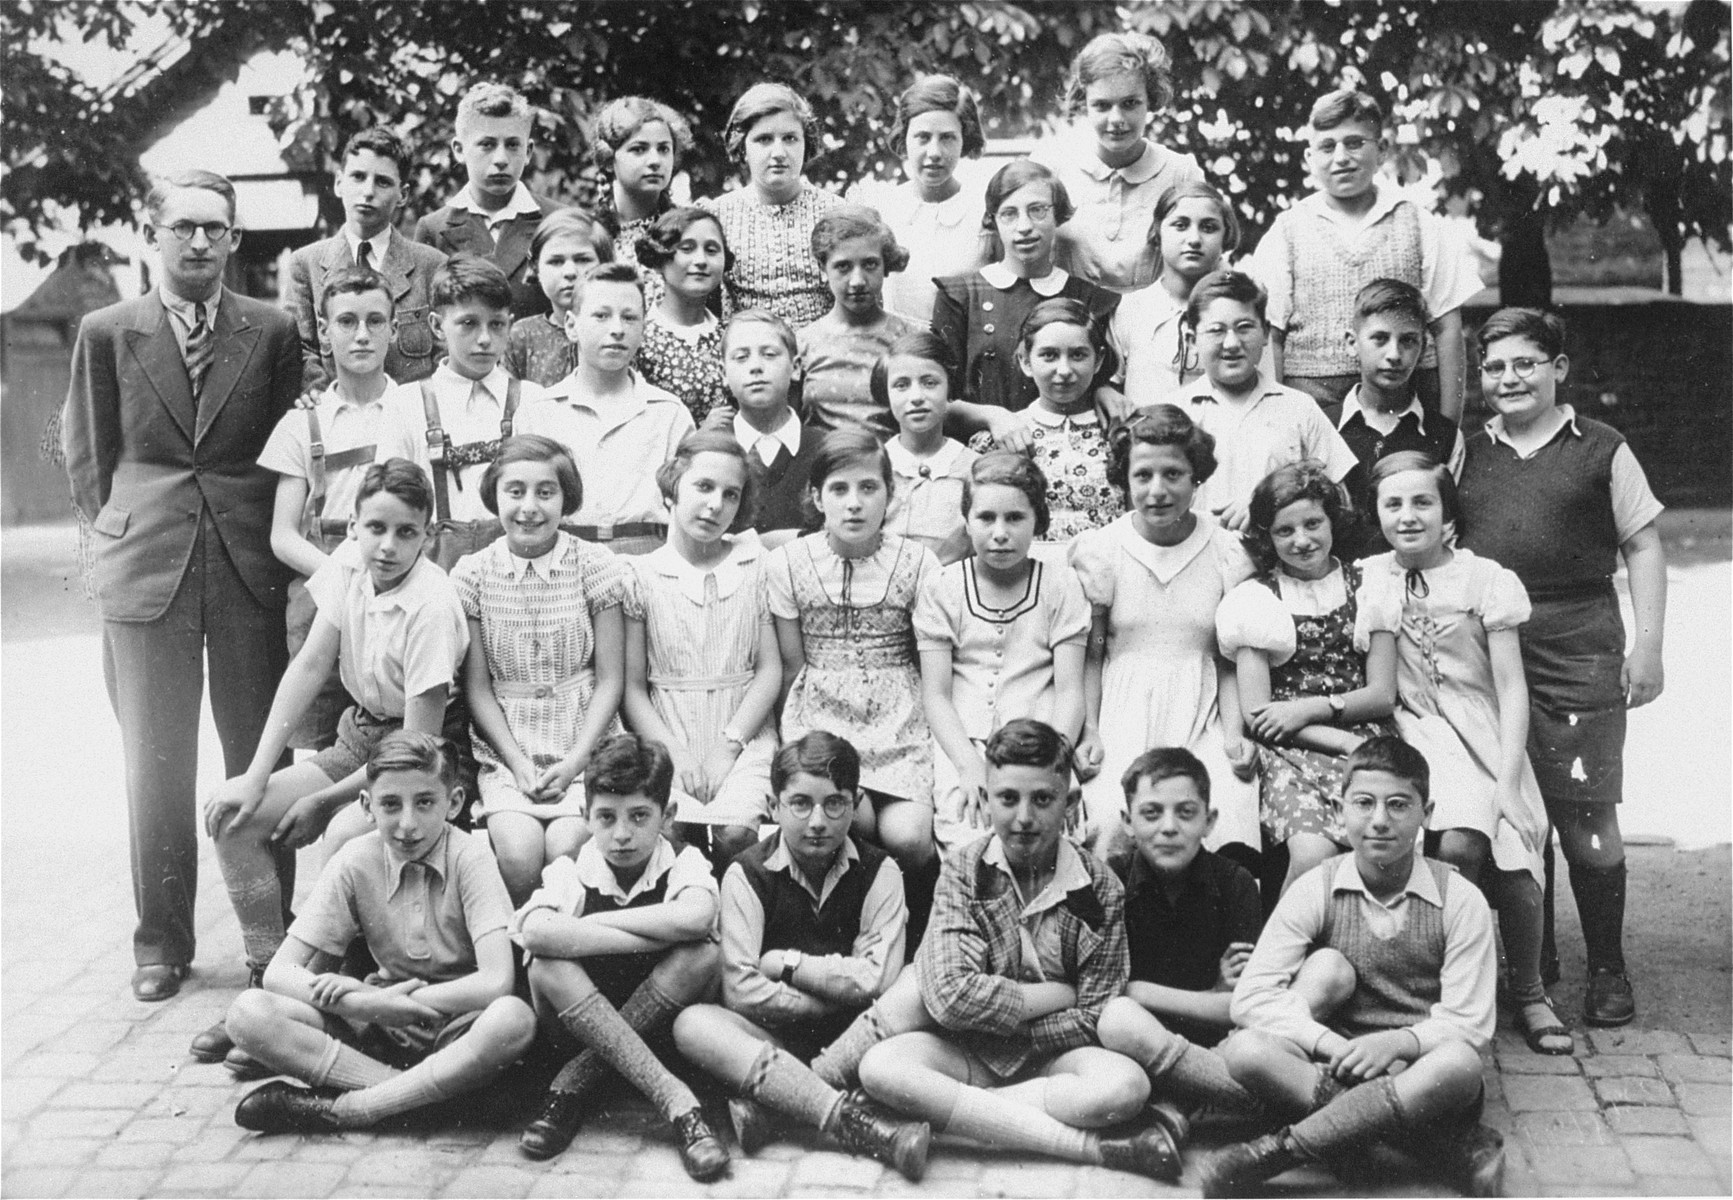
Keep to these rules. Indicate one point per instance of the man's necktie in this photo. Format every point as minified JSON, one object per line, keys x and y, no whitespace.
{"x":364,"y":256}
{"x":201,"y":349}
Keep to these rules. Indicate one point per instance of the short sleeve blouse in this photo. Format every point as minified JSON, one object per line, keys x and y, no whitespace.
{"x":1466,"y":583}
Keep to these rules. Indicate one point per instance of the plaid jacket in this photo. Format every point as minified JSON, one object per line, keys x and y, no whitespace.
{"x":968,"y":961}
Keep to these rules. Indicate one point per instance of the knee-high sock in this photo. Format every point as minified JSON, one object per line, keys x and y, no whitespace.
{"x":346,"y":1067}
{"x":456,"y":1069}
{"x":780,"y":1081}
{"x":1519,"y":900}
{"x":649,"y":1011}
{"x":256,"y":892}
{"x":988,"y":1117}
{"x":599,"y":1026}
{"x":1198,"y":1075}
{"x":1352,"y":1121}
{"x":838,"y":1064}
{"x":1600,"y":893}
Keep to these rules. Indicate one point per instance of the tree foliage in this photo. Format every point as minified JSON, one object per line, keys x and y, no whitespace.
{"x":1543,"y":110}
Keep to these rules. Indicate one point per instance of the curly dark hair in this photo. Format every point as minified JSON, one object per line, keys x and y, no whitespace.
{"x":1289,"y":484}
{"x":1159,"y":425}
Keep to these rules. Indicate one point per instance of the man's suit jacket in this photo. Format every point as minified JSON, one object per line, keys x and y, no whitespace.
{"x":408,"y":266}
{"x":455,"y":230}
{"x":144,"y":459}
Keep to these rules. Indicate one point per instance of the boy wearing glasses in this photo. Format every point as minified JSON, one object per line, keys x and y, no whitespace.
{"x":1352,"y":230}
{"x":813,"y":923}
{"x":1409,"y":943}
{"x":1559,"y":498}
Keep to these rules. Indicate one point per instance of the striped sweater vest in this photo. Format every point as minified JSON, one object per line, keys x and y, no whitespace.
{"x":1328,"y":270}
{"x":1398,"y":980}
{"x":1549,"y":518}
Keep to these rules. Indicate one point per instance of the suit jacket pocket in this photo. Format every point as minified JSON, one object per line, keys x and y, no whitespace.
{"x":111,"y":520}
{"x":414,"y":337}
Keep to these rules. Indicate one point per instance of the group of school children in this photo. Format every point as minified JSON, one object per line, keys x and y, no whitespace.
{"x":1207,"y":575}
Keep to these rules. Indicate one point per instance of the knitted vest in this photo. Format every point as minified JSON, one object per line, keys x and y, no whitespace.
{"x":791,"y":922}
{"x":1397,"y":980}
{"x":596,"y":901}
{"x":1549,"y":518}
{"x":781,"y":486}
{"x":1328,"y":271}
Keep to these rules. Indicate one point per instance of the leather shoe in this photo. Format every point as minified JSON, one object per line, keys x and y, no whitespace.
{"x":1610,"y":1001}
{"x":280,"y":1107}
{"x":754,"y":1126}
{"x":158,"y":981}
{"x":1149,"y":1152}
{"x":701,"y":1151}
{"x":554,"y":1127}
{"x":1241,"y":1168}
{"x":213,"y":1045}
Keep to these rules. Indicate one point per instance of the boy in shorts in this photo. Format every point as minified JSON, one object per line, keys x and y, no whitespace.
{"x":812,"y":932}
{"x":622,"y":939}
{"x":438,"y":1018}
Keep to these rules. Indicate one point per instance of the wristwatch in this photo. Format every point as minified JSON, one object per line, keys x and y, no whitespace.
{"x":1338,"y":707}
{"x":790,"y":960}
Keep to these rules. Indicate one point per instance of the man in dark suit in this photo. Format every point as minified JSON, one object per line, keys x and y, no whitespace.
{"x":370,"y":185}
{"x":495,"y":215}
{"x":173,"y":395}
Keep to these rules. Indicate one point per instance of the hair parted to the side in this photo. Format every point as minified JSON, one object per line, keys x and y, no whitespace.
{"x":1159,"y":425}
{"x":465,"y":278}
{"x":573,"y":222}
{"x":1110,"y":55}
{"x":917,"y":343}
{"x":412,"y":750}
{"x":765,"y":100}
{"x":847,"y":221}
{"x":1020,"y":173}
{"x":1391,"y":296}
{"x":938,"y":93}
{"x":846,"y":447}
{"x":1344,"y":105}
{"x":1196,"y":189}
{"x":784,"y":332}
{"x":1026,"y":742}
{"x":657,"y":244}
{"x":400,"y":478}
{"x":1393,"y":756}
{"x":1062,"y":310}
{"x":1008,"y":468}
{"x":1416,"y":460}
{"x":621,"y":119}
{"x":1546,"y":330}
{"x":1165,"y":762}
{"x":381,"y":141}
{"x":1289,"y":484}
{"x":207,"y":181}
{"x":608,"y":272}
{"x":493,"y":100}
{"x":354,"y":281}
{"x":534,"y":447}
{"x":818,"y":753}
{"x":1226,"y":285}
{"x":629,"y":765}
{"x":711,"y":441}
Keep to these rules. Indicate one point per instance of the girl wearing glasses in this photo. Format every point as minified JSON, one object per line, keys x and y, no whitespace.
{"x":1462,"y":701}
{"x":1192,"y":231}
{"x":979,"y":315}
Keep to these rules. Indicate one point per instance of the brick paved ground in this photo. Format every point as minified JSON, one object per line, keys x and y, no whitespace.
{"x":98,"y":1097}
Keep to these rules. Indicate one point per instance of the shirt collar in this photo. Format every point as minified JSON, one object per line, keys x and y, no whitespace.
{"x":1140,"y":171}
{"x":521,"y":204}
{"x":379,"y":241}
{"x":1203,"y":392}
{"x":340,"y":403}
{"x":1049,"y":419}
{"x":617,"y":409}
{"x":1495,"y":426}
{"x":400,"y":596}
{"x":788,"y":433}
{"x":1194,"y":877}
{"x":595,"y":873}
{"x":936,"y":465}
{"x":435,"y":860}
{"x":182,"y":308}
{"x":1420,"y":885}
{"x":1069,"y":875}
{"x":666,"y":562}
{"x":542,"y":564}
{"x":495,"y":383}
{"x":1351,"y":408}
{"x":1048,"y":286}
{"x":1384,"y":201}
{"x":780,"y":859}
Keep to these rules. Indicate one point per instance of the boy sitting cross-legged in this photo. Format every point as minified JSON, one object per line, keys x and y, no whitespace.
{"x":438,"y":1018}
{"x":812,"y":932}
{"x":1410,"y":944}
{"x":1191,"y":918}
{"x":623,"y":939}
{"x":1025,"y":946}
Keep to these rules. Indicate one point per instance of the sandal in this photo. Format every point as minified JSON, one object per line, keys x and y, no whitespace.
{"x":1542,"y":1030}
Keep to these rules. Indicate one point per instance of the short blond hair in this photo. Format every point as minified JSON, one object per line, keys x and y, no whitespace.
{"x":493,"y":100}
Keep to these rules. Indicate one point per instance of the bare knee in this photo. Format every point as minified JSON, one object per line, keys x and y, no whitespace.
{"x":1117,"y":1090}
{"x":699,"y":1028}
{"x":254,"y":1017}
{"x":689,"y":972}
{"x":559,"y":981}
{"x":509,"y":1025}
{"x":1453,"y":1072}
{"x":1326,"y":980}
{"x":1128,"y":1028}
{"x":1249,"y":1055}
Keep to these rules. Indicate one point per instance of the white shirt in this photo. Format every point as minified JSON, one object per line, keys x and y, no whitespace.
{"x":182,"y":310}
{"x":1383,"y":422}
{"x":470,"y":410}
{"x":342,"y":426}
{"x":1273,"y":427}
{"x":376,"y":246}
{"x":521,"y":204}
{"x":764,"y":444}
{"x":617,"y":442}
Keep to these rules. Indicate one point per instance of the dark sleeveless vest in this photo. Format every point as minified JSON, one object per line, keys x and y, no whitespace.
{"x":791,"y":920}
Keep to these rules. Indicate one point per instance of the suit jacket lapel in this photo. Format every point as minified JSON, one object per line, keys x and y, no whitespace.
{"x":396,"y":268}
{"x":236,"y":341}
{"x":513,"y":246}
{"x":159,"y":355}
{"x":468,"y":232}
